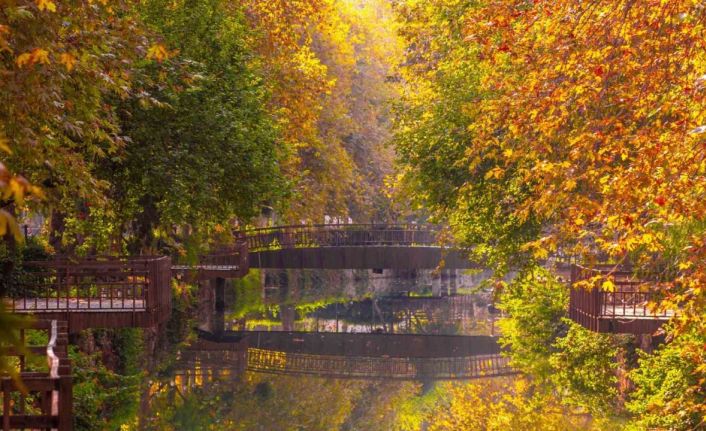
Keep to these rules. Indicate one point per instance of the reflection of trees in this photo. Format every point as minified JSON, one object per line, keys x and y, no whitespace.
{"x":266,"y":402}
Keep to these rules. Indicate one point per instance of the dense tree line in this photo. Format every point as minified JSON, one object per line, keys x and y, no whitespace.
{"x":131,"y":122}
{"x":574,"y":128}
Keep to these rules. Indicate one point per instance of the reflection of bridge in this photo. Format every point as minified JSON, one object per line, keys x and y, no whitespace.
{"x":352,"y":246}
{"x":372,"y":356}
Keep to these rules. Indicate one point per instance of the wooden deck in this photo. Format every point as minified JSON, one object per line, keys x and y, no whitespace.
{"x":625,"y":308}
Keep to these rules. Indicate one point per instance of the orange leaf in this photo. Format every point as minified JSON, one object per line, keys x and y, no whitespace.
{"x":67,"y":60}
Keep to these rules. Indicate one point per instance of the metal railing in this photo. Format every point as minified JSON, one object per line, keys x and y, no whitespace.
{"x":338,"y":235}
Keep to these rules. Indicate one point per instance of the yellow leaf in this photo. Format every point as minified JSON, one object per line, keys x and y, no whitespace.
{"x":496,"y":172}
{"x":23,"y":59}
{"x":38,"y":55}
{"x":578,"y":221}
{"x":608,"y":286}
{"x":46,"y":5}
{"x":4,"y":146}
{"x":158,"y":52}
{"x":8,"y":223}
{"x":67,"y":60}
{"x":569,"y":185}
{"x":684,"y":265}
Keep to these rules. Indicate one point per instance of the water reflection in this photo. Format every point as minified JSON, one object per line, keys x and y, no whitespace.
{"x":359,"y":301}
{"x":347,"y":326}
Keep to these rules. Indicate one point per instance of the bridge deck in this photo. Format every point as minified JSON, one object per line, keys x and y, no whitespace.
{"x":360,"y":257}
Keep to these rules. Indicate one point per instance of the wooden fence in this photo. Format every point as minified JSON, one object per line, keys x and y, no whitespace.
{"x":39,"y":398}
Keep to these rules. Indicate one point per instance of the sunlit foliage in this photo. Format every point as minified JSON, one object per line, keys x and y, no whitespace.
{"x":579,"y":128}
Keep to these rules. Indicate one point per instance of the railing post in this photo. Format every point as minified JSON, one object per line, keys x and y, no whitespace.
{"x":65,"y":403}
{"x":243,"y":254}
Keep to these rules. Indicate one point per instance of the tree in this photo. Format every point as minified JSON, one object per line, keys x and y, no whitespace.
{"x":502,"y":405}
{"x":316,"y":54}
{"x":581,"y":131}
{"x":59,"y":61}
{"x":204,"y":152}
{"x":576,"y":365}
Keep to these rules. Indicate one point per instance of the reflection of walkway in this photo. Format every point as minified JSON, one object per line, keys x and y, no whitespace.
{"x":371,"y":345}
{"x":351,"y":367}
{"x":340,"y":355}
{"x":48,"y":305}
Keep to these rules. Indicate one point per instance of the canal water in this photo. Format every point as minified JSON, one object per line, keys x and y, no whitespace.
{"x":207,"y":380}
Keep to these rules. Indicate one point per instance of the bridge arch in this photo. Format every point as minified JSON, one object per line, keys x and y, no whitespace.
{"x":349,"y":356}
{"x":352,"y":246}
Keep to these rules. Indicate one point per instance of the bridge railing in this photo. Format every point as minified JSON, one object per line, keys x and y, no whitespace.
{"x":98,"y":283}
{"x":224,"y":261}
{"x":39,"y":398}
{"x":452,"y":368}
{"x":606,"y":299}
{"x":337,"y":235}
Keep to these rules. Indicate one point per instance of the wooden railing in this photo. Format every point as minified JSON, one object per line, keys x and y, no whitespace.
{"x":626,"y":302}
{"x":39,"y":399}
{"x":338,"y":235}
{"x":95,"y":292}
{"x":94,"y":284}
{"x":453,"y":368}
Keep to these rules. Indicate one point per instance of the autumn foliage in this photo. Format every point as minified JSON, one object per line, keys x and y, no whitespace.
{"x":578,"y":129}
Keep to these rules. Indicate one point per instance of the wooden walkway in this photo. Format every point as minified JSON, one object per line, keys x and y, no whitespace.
{"x":352,"y":246}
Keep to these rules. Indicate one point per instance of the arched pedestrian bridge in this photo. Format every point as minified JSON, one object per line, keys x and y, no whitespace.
{"x":350,"y":356}
{"x":352,"y":246}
